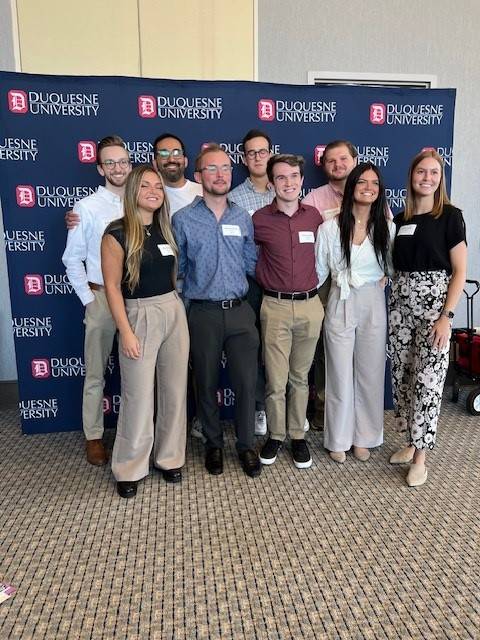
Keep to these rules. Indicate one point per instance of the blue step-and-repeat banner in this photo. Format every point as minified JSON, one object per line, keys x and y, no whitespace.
{"x":49,"y":128}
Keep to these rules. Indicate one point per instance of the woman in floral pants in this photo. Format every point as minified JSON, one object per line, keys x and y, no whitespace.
{"x":429,"y":258}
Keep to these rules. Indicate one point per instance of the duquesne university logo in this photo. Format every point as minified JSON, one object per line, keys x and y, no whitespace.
{"x":25,"y":195}
{"x":33,"y":284}
{"x":399,"y":114}
{"x":266,"y":110}
{"x":318,"y":153}
{"x":17,"y":101}
{"x":44,"y":195}
{"x":52,"y":103}
{"x":306,"y":111}
{"x":87,"y":151}
{"x":40,"y":368}
{"x":377,"y":113}
{"x":180,"y":107}
{"x":147,"y":107}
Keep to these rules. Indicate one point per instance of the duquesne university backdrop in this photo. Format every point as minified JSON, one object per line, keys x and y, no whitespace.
{"x":49,"y":128}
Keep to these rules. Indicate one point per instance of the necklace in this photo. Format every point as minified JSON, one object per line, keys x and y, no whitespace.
{"x":360,"y":223}
{"x":147,"y":228}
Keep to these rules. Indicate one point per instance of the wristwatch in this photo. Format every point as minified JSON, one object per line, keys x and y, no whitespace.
{"x":448,"y":314}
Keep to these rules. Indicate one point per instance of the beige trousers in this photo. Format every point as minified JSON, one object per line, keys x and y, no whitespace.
{"x":160,"y":325}
{"x":290,"y":331}
{"x":355,"y":338}
{"x":99,"y":334}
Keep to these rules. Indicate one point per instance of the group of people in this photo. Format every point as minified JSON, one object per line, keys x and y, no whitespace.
{"x":257,"y":268}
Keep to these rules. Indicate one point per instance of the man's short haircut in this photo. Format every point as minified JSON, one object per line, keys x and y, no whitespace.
{"x":256,"y":133}
{"x":288,"y":158}
{"x":208,"y":148}
{"x":162,"y":136}
{"x":339,"y":143}
{"x":109,"y":141}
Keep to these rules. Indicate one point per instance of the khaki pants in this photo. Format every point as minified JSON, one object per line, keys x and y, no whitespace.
{"x":99,"y":334}
{"x":160,"y":325}
{"x":290,"y":331}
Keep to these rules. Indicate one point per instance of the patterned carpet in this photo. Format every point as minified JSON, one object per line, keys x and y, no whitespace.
{"x":329,"y":552}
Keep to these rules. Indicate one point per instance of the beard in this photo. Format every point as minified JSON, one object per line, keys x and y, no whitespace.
{"x":172,"y":172}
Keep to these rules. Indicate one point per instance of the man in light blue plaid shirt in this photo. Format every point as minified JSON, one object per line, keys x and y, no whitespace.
{"x":255,"y":192}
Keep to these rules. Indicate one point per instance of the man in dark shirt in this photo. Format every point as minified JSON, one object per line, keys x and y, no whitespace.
{"x":291,"y":313}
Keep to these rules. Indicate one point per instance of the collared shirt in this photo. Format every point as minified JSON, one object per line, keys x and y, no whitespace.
{"x":179,"y":197}
{"x":83,"y":242}
{"x":326,"y":199}
{"x":286,"y":260}
{"x":214,"y":256}
{"x":364,"y":267}
{"x":246,"y":197}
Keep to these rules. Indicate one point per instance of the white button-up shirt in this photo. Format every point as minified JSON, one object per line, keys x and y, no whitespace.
{"x":364,"y":267}
{"x":82,"y":254}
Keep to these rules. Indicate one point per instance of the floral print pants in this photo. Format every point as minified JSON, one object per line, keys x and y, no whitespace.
{"x":418,"y":371}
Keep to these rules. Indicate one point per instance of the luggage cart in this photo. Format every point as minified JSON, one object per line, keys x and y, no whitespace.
{"x":466,"y":353}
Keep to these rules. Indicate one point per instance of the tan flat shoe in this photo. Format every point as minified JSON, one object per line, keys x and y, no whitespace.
{"x":417,"y":475}
{"x":361,"y":453}
{"x":403,"y":456}
{"x":338,"y":456}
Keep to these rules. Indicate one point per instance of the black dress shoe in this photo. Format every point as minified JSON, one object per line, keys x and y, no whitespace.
{"x":214,"y":461}
{"x":250,"y":463}
{"x":127,"y":489}
{"x":172,"y":475}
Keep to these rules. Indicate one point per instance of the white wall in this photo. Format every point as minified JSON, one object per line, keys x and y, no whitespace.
{"x":437,"y":37}
{"x":8,"y":370}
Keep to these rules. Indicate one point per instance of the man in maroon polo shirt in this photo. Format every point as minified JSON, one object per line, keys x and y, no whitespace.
{"x":291,"y":314}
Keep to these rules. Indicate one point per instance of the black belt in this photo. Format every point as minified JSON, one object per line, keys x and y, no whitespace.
{"x":223,"y":304}
{"x":296,"y":295}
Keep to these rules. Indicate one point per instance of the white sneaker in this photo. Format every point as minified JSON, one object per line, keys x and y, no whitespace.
{"x":197,"y":430}
{"x":306,"y":426}
{"x":260,"y":423}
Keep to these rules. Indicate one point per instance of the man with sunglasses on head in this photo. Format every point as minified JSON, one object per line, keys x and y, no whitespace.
{"x":170,"y":160}
{"x":83,"y":266}
{"x":216,"y":251}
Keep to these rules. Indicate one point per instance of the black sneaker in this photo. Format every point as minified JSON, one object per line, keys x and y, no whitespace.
{"x":269,"y":451}
{"x":301,"y":455}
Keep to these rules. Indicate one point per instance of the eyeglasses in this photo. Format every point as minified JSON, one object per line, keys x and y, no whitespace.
{"x":166,"y":153}
{"x":124,"y":163}
{"x":213,"y":168}
{"x":261,"y":153}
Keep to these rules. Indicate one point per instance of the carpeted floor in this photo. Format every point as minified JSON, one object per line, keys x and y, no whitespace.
{"x":331,"y":552}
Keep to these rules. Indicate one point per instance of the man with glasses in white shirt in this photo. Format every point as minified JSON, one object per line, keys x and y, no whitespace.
{"x":170,"y":160}
{"x":83,"y":266}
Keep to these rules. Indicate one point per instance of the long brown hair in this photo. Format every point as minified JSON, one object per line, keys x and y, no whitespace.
{"x":133,"y":224}
{"x":440,"y":197}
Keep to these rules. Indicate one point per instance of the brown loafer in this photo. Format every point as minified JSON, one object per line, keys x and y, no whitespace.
{"x":96,"y":452}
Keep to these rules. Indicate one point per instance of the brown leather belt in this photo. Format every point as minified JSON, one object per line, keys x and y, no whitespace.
{"x":95,"y":286}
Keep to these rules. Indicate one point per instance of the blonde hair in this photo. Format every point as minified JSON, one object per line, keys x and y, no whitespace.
{"x":134,"y":228}
{"x":440,"y":197}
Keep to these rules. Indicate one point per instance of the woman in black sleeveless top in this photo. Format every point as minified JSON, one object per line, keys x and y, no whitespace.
{"x":429,"y":258}
{"x":139,"y":256}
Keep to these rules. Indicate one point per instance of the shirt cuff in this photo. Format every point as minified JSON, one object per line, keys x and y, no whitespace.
{"x":86,"y":296}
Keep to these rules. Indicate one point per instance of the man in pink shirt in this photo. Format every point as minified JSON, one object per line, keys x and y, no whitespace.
{"x":337,"y":161}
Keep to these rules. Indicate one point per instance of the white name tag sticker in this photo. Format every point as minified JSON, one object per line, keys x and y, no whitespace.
{"x":306,"y":236}
{"x":231,"y":230}
{"x":407,"y":230}
{"x":165,"y":249}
